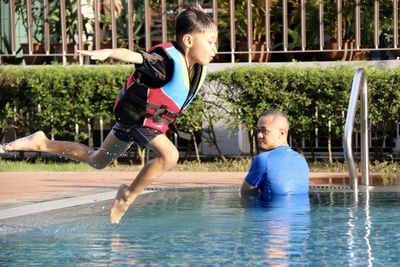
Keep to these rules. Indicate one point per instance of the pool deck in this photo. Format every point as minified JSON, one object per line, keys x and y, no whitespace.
{"x":21,"y":188}
{"x":24,"y":193}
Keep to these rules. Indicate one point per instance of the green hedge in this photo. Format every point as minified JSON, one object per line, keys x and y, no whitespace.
{"x":57,"y":97}
{"x":300,"y":92}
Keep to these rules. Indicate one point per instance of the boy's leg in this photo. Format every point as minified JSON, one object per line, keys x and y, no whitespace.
{"x":109,"y":150}
{"x":167,"y":158}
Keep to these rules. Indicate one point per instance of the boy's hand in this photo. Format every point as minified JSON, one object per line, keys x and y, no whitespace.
{"x":101,"y":54}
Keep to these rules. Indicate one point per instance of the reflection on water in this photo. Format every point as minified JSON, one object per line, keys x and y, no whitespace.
{"x":210,"y":227}
{"x":384,"y":179}
{"x":286,"y":226}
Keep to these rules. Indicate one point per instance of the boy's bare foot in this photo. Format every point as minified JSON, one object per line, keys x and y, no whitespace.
{"x":120,"y":205}
{"x":33,"y":142}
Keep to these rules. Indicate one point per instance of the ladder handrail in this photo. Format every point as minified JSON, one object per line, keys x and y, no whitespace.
{"x":359,"y":89}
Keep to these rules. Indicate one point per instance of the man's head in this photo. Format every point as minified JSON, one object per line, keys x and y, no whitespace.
{"x":272,"y":130}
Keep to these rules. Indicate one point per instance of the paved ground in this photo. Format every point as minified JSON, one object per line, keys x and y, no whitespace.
{"x":23,"y":188}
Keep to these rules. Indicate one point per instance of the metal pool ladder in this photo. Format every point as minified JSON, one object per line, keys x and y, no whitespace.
{"x":358,"y":89}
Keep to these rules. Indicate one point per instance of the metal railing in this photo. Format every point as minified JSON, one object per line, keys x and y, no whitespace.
{"x":286,"y":27}
{"x":359,"y":90}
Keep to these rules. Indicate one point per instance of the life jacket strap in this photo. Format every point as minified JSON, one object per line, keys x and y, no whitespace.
{"x":157,"y":116}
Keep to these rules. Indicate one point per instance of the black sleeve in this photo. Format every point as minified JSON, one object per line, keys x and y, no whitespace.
{"x":155,"y":70}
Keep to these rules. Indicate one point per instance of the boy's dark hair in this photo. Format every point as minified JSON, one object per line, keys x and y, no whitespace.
{"x":192,"y":20}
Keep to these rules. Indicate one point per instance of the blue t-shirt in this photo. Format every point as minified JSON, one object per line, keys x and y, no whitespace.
{"x":279,"y":171}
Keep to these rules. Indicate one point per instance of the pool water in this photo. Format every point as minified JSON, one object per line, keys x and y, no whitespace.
{"x":212,"y":227}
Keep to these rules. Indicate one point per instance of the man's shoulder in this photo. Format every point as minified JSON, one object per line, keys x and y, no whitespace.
{"x":282,"y":153}
{"x":291,"y":157}
{"x":285,"y":150}
{"x":281,"y":150}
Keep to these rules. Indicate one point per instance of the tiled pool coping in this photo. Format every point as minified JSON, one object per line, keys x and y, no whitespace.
{"x":19,"y":187}
{"x":44,"y":206}
{"x":57,"y":204}
{"x":23,"y":193}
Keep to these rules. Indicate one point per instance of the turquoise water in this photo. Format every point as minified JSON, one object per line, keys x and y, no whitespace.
{"x":212,"y":227}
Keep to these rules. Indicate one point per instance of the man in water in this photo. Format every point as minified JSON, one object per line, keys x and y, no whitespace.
{"x":278,"y":169}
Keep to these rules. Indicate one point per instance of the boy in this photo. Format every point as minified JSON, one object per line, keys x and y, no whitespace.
{"x":165,"y":81}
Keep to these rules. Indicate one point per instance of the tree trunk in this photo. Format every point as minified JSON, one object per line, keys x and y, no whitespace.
{"x":196,"y":148}
{"x":251,"y":140}
{"x":329,"y":142}
{"x":142,"y":155}
{"x":330,"y":148}
{"x":213,"y":140}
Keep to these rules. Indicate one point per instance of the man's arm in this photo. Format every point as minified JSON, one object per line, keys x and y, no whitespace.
{"x":248,"y":190}
{"x":122,"y":54}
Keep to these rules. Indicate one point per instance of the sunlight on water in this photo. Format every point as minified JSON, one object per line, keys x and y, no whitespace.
{"x":212,"y":227}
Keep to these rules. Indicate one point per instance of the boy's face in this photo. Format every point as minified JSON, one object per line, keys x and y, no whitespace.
{"x":204,"y":47}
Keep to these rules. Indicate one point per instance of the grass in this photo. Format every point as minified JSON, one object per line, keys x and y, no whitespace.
{"x":241,"y":164}
{"x":238,"y":164}
{"x":26,"y":166}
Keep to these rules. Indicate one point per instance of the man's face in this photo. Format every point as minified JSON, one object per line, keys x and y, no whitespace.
{"x":269,"y":136}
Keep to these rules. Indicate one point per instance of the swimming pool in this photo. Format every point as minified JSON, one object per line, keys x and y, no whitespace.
{"x":212,"y":227}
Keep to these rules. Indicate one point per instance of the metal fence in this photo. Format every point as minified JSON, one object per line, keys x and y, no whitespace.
{"x":250,"y":31}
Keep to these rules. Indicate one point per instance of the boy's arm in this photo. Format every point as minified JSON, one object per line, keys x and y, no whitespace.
{"x":122,"y":54}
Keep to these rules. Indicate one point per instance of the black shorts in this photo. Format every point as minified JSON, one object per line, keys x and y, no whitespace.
{"x":135,"y":133}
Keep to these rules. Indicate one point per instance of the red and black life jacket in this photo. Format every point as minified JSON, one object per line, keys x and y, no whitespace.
{"x":158,"y":107}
